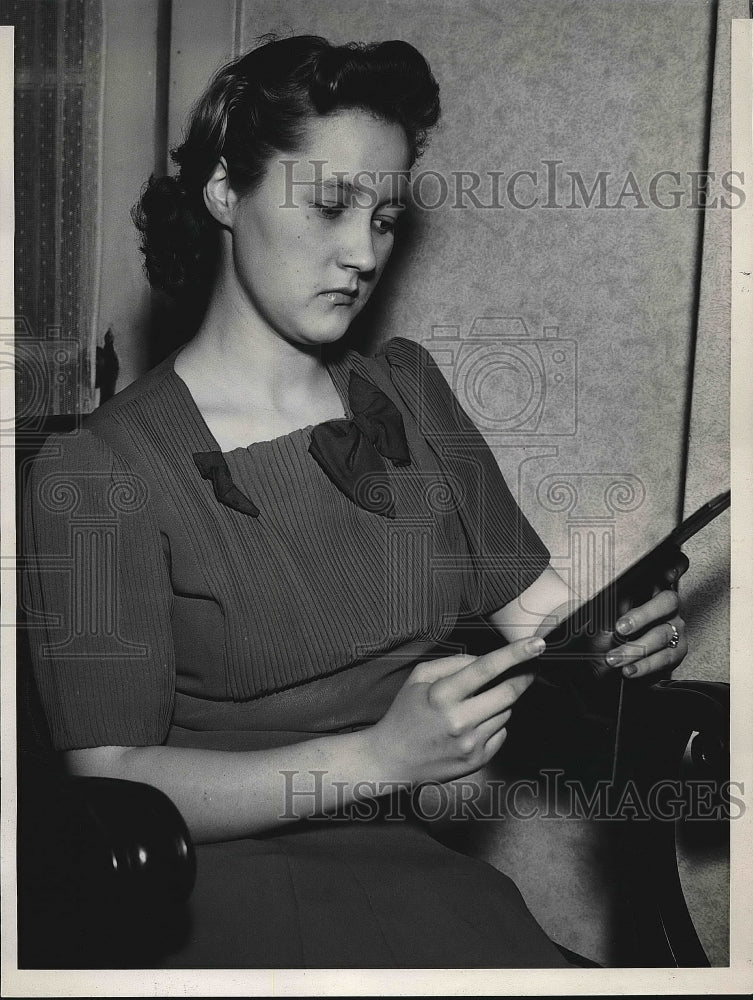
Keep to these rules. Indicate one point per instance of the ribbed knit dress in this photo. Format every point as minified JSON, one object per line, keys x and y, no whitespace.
{"x":265,"y":604}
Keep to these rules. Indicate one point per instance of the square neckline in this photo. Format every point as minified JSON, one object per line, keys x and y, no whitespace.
{"x":331,"y":366}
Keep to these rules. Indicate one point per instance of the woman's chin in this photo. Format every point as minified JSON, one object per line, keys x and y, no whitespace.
{"x":325,"y":333}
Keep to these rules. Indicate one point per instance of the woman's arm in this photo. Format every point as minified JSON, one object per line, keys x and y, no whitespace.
{"x":536,"y":610}
{"x":446,"y":721}
{"x":549,"y":600}
{"x":224,"y":795}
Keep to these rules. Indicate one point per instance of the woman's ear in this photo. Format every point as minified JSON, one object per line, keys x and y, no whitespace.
{"x":219,"y":197}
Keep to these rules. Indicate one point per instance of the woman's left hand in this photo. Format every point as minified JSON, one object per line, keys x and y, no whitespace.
{"x":652,"y":636}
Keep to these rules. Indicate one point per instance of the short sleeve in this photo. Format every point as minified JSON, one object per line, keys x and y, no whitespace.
{"x":97,"y":597}
{"x":506,"y":553}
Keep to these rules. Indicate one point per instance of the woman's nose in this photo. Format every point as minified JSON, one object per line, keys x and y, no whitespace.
{"x":357,"y":250}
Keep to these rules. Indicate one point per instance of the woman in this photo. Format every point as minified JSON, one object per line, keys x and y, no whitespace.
{"x":284,"y":540}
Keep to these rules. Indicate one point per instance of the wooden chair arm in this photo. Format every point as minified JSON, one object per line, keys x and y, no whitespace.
{"x":105,"y":868}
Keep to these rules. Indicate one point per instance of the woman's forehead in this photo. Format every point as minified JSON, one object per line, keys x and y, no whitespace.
{"x":351,"y":141}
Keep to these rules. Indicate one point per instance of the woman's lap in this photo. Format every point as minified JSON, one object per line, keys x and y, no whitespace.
{"x":335,"y":894}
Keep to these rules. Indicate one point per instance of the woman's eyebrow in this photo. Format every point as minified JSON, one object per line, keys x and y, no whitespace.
{"x":335,"y":182}
{"x":347,"y":190}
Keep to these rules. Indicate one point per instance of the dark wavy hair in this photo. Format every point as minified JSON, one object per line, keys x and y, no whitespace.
{"x":256,"y":107}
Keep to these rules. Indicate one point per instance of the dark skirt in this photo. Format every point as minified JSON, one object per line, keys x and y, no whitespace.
{"x":335,"y":894}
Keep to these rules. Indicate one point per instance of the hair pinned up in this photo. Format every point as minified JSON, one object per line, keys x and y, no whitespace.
{"x":256,"y":107}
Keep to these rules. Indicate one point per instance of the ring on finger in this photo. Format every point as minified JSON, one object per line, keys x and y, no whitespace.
{"x":674,"y":639}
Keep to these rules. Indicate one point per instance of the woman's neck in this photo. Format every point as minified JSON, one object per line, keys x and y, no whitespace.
{"x":236,"y":349}
{"x":247,"y":379}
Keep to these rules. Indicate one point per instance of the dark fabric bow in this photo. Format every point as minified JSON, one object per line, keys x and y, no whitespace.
{"x":352,"y":451}
{"x":212,"y":466}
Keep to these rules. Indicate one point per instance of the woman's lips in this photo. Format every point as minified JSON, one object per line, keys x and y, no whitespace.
{"x":340,"y":298}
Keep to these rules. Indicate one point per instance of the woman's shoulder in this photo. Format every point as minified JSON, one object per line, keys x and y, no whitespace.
{"x":151,"y":419}
{"x":77,"y":476}
{"x":403,"y":352}
{"x":421,"y":381}
{"x":100,"y":444}
{"x":146,"y":393}
{"x":73,"y":465}
{"x":74,"y":452}
{"x":412,"y":361}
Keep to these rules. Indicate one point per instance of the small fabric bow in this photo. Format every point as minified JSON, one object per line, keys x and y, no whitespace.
{"x":351,"y":451}
{"x":212,"y":466}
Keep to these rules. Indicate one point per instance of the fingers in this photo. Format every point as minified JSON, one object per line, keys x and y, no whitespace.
{"x":675,"y":568}
{"x":477,"y":744}
{"x":487,"y":729}
{"x":494,"y":744}
{"x":432,"y":670}
{"x":466,"y":681}
{"x":653,"y":651}
{"x":660,"y":608}
{"x":675,"y":565}
{"x":666,"y":658}
{"x":651,"y":623}
{"x":499,"y":699}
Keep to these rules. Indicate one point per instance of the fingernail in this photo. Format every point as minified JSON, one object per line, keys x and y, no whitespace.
{"x":624,"y":626}
{"x":629,"y":670}
{"x":535,"y":646}
{"x":612,"y":659}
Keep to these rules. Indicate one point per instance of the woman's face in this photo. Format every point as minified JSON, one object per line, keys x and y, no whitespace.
{"x":311,"y":241}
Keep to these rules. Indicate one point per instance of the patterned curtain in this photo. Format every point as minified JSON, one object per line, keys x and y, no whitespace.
{"x":58,"y":101}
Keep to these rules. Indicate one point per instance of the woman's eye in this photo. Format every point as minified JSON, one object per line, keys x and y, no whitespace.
{"x":329,"y":211}
{"x":385,"y":226}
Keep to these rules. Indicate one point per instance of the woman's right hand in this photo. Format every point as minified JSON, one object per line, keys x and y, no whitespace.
{"x":441,"y":725}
